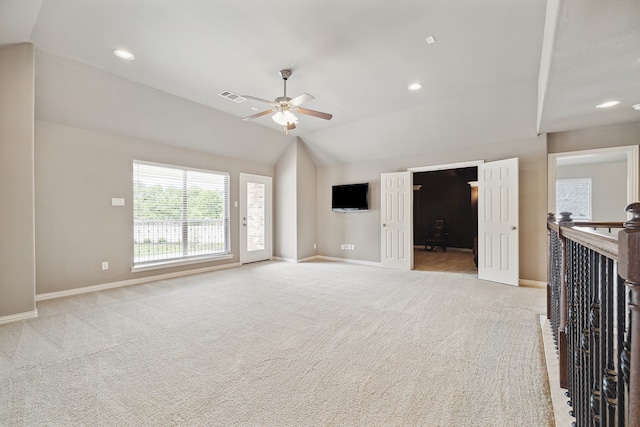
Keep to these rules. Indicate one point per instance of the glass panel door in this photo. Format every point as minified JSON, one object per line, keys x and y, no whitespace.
{"x":255,"y":218}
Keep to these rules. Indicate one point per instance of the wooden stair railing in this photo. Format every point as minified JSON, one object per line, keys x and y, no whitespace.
{"x":593,"y":304}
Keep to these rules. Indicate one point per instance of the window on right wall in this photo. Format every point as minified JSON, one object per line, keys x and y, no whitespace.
{"x":574,"y":195}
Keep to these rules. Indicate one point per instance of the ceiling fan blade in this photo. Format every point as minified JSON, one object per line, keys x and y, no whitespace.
{"x":260,"y":114}
{"x":258,"y":99}
{"x":314,"y":113}
{"x":291,"y":126}
{"x":299,"y":100}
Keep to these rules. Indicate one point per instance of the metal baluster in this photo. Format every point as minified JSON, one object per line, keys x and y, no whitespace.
{"x":554,"y":284}
{"x":594,"y":325}
{"x":625,"y":354}
{"x":609,"y":391}
{"x":587,"y":376}
{"x":569,"y":327}
{"x":620,"y":345}
{"x":575,"y":394}
{"x":579,"y":364}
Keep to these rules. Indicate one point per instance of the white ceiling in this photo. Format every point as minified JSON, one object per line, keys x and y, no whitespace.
{"x":358,"y":57}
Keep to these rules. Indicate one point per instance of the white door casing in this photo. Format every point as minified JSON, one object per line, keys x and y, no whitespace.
{"x":396,"y":220}
{"x":255,"y":218}
{"x":498,"y":227}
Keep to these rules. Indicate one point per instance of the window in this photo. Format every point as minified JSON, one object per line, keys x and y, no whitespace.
{"x":574,"y":195}
{"x":179,"y":214}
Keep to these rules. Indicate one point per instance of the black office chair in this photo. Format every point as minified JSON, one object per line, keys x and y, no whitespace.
{"x":437,"y":237}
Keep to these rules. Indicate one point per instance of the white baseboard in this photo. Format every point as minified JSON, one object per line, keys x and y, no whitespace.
{"x":532,"y":283}
{"x":112,"y":285}
{"x":295,"y":261}
{"x":349,"y":261}
{"x":278,"y":258}
{"x":20,"y":316}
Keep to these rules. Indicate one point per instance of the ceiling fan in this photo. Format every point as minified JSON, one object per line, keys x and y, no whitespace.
{"x":284,"y":107}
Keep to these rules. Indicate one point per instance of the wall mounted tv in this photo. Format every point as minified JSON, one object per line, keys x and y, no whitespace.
{"x":349,"y":198}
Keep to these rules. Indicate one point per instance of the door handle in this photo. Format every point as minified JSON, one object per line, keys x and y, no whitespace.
{"x":513,"y":227}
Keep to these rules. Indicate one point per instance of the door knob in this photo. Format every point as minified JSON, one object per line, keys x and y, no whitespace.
{"x":513,"y":227}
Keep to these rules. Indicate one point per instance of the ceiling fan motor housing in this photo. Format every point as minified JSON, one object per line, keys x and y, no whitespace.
{"x":285,"y":74}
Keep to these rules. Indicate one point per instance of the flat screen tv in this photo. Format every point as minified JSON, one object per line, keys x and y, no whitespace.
{"x":351,"y":197}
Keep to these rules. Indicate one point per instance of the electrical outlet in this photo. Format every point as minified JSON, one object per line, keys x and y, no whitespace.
{"x":315,"y":246}
{"x":105,"y":265}
{"x":342,"y":246}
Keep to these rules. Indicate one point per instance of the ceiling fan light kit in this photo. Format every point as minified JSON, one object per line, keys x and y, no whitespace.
{"x":283,"y":118}
{"x":284,"y":107}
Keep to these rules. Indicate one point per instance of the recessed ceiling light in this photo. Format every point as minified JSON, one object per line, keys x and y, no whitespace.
{"x":431,"y":40}
{"x":415,"y":86}
{"x":124,"y":54}
{"x":636,"y":107}
{"x":608,"y":104}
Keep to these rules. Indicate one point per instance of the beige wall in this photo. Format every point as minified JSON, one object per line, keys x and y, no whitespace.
{"x":284,"y":202}
{"x":78,"y":172}
{"x":17,"y":251}
{"x":295,"y":204}
{"x":599,"y":137}
{"x":307,"y":198}
{"x":363,"y":229}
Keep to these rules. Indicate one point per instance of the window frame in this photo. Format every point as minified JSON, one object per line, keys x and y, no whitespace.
{"x":164,"y":262}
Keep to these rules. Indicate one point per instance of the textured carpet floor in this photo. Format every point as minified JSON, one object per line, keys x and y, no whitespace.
{"x":278,"y":344}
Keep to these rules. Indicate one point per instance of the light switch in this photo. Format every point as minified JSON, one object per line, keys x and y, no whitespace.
{"x":117,"y":201}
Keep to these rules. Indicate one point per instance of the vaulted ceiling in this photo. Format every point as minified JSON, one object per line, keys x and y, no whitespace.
{"x":498,"y":71}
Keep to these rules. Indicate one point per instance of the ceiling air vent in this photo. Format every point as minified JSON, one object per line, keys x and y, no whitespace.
{"x":232,"y":96}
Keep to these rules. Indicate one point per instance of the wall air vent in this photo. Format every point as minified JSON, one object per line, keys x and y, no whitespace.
{"x":232,"y":96}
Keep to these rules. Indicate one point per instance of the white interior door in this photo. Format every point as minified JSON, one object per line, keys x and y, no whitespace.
{"x":255,"y":218}
{"x":498,"y":221}
{"x":397,"y":220}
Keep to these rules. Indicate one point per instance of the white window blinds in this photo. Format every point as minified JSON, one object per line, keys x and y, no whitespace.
{"x":574,"y":195}
{"x":179,"y":213}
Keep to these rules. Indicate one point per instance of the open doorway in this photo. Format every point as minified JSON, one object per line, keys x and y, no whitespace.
{"x":498,"y":219}
{"x":445,"y":220}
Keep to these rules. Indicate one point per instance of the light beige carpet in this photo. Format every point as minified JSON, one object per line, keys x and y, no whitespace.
{"x":278,"y":344}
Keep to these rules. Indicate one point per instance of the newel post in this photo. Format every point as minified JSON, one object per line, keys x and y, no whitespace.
{"x":629,"y":270}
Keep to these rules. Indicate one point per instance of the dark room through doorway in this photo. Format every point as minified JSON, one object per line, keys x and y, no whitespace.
{"x":445,"y":220}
